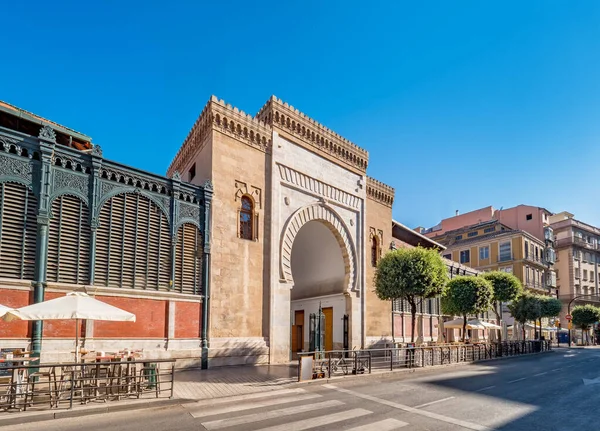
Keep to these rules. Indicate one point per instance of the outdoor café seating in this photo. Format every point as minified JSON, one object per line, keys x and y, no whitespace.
{"x":96,"y":377}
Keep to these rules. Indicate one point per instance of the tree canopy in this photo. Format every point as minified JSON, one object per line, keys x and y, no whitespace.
{"x":410,"y":274}
{"x":525,"y":307}
{"x":585,"y":316}
{"x":466,"y":296}
{"x":506,"y":286}
{"x":550,"y":306}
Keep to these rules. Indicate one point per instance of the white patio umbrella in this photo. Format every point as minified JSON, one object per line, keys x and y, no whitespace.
{"x":458,"y":323}
{"x":486,"y":325}
{"x":4,"y":309}
{"x":75,"y":305}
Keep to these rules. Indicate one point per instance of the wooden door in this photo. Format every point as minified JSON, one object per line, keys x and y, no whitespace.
{"x":298,"y":331}
{"x":328,"y":312}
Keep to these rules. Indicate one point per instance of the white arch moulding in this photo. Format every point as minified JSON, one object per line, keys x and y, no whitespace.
{"x":327,"y":215}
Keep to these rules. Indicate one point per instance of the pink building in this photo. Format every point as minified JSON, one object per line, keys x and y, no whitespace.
{"x":522,"y":217}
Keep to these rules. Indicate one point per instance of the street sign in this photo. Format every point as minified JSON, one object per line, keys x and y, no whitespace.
{"x":568,"y":317}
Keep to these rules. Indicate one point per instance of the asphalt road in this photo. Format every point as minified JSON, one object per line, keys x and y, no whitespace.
{"x":541,"y":392}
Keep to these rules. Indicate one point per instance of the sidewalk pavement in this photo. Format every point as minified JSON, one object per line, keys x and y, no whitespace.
{"x":228,"y":381}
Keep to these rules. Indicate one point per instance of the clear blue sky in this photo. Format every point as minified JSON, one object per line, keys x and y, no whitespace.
{"x":460,"y":104}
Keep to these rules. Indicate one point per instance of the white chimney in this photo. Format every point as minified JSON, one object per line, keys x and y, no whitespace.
{"x":457,"y":213}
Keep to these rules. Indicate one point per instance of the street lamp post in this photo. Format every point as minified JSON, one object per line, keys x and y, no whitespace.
{"x":569,"y":311}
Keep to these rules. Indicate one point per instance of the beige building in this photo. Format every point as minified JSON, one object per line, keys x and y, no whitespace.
{"x":296,"y":225}
{"x":578,"y":256}
{"x":494,"y":246}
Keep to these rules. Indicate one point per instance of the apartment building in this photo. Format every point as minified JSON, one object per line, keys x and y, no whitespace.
{"x":527,"y":218}
{"x":492,"y":245}
{"x":578,"y":256}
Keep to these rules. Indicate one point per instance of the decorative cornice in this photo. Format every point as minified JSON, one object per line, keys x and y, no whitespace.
{"x":380,"y":192}
{"x":298,"y":179}
{"x":224,"y":118}
{"x":277,"y":113}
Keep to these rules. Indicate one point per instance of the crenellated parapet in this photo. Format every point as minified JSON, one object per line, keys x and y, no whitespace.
{"x":380,"y":192}
{"x":227,"y":119}
{"x":283,"y":116}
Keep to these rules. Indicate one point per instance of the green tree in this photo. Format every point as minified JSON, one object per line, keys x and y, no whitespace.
{"x":507,"y":288}
{"x":550,"y":307}
{"x":585,"y":316}
{"x":525,"y":307}
{"x":411,"y":274}
{"x":465,"y":296}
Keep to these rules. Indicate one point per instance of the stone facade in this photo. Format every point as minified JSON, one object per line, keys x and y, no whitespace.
{"x":310,"y":193}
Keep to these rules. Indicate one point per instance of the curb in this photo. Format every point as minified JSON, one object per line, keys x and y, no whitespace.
{"x":19,"y":418}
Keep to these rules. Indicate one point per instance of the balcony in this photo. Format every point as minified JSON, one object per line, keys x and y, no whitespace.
{"x":535,"y":285}
{"x":576,"y":241}
{"x":533,"y":258}
{"x":505,"y":258}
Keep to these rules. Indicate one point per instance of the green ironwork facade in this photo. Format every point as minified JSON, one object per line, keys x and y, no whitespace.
{"x":70,"y":216}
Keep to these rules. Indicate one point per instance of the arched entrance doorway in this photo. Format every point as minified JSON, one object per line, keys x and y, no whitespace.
{"x":320,"y":277}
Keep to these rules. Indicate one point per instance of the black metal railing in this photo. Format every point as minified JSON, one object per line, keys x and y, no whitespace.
{"x":340,"y":362}
{"x":60,"y":385}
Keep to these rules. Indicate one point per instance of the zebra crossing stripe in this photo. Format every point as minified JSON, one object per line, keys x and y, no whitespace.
{"x":252,"y":396}
{"x":384,"y":425}
{"x":203,"y":411}
{"x":319,"y":421}
{"x":263,"y":416}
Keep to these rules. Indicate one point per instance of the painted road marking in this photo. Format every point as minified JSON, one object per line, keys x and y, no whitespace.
{"x":319,"y":421}
{"x":433,"y":402}
{"x":540,"y":374}
{"x":263,"y":416}
{"x":441,"y":418}
{"x":251,"y":396}
{"x":384,"y":425}
{"x":485,"y":389}
{"x":518,"y":380}
{"x":202,"y":410}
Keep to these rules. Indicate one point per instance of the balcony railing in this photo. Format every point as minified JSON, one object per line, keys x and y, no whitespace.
{"x":533,"y":258}
{"x":506,"y":258}
{"x":535,"y":285}
{"x":575,"y":240}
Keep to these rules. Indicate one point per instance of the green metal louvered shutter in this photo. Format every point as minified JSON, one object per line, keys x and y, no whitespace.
{"x":188,"y":259}
{"x":133,"y":244}
{"x":69,"y":241}
{"x":18,"y":229}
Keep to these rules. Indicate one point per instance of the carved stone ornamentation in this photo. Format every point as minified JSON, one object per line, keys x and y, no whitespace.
{"x":189,"y":211}
{"x":317,"y":187}
{"x":97,"y":151}
{"x":64,"y":180}
{"x":15,"y":168}
{"x":47,"y":133}
{"x":208,"y":185}
{"x":176,"y":176}
{"x":244,"y":189}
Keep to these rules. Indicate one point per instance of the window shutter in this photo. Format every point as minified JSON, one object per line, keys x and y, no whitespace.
{"x":188,"y":259}
{"x":133,"y":244}
{"x":69,"y":241}
{"x":18,"y":230}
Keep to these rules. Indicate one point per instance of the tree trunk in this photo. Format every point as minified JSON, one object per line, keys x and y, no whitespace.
{"x":413,"y":313}
{"x":523,"y":330}
{"x":498,"y":312}
{"x":464,"y":328}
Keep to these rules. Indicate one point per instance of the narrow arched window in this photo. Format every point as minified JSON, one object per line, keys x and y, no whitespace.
{"x":246,"y":218}
{"x":374,"y":251}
